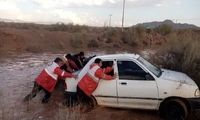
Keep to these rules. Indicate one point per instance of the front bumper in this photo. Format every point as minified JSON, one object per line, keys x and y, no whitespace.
{"x":194,"y":103}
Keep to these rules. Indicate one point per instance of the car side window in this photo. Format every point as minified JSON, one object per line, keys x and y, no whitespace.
{"x":129,"y":70}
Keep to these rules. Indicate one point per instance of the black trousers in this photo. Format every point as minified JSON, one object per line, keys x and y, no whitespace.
{"x":85,"y":99}
{"x":71,"y":99}
{"x":37,"y":88}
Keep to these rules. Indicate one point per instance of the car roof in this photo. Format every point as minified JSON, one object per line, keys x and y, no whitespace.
{"x":118,"y":56}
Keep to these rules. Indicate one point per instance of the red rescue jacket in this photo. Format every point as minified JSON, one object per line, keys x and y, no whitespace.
{"x":48,"y":77}
{"x":90,"y":81}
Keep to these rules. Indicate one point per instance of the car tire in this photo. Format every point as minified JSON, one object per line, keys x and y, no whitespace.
{"x":175,"y":110}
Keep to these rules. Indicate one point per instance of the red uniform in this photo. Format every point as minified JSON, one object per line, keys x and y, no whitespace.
{"x":48,"y":77}
{"x":90,"y":81}
{"x":73,"y":65}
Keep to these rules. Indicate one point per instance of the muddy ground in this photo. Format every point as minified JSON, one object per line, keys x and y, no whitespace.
{"x":17,"y":74}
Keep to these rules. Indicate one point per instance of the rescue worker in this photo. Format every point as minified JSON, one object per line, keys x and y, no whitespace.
{"x":70,"y":97}
{"x":71,"y":61}
{"x":66,"y":65}
{"x":47,"y":80}
{"x":70,"y":94}
{"x":79,"y":59}
{"x":86,"y":60}
{"x":88,"y":84}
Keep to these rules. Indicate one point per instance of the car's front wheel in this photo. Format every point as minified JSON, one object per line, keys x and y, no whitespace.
{"x":174,"y":110}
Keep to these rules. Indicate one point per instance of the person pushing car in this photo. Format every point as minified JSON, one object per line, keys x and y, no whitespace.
{"x":88,"y":84}
{"x":47,"y":80}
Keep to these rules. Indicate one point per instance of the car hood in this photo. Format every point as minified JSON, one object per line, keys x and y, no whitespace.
{"x":177,"y":77}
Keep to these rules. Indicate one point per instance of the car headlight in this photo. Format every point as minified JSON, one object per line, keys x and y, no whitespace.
{"x":197,"y":93}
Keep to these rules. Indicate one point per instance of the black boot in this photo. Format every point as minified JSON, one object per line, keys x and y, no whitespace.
{"x":45,"y":100}
{"x":29,"y":97}
{"x":46,"y":97}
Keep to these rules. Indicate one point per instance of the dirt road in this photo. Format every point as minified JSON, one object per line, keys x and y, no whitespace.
{"x":17,"y":74}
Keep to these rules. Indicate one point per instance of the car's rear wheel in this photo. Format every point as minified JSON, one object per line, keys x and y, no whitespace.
{"x":174,"y":110}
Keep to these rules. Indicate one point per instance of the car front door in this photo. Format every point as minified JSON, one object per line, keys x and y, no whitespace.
{"x":136,"y":88}
{"x":106,"y":92}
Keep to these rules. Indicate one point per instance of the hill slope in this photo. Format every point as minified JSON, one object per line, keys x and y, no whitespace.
{"x":155,"y":24}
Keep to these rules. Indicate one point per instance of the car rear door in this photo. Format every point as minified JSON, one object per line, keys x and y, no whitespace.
{"x":135,"y":87}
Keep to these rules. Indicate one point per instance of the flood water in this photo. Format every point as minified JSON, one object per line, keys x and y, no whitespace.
{"x":17,"y":74}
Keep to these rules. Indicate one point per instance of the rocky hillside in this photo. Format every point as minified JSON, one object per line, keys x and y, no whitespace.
{"x":155,"y":24}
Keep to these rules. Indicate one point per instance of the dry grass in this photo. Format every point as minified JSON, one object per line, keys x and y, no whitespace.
{"x":181,"y":53}
{"x":77,"y":40}
{"x":93,"y":44}
{"x":178,"y":49}
{"x":164,"y":29}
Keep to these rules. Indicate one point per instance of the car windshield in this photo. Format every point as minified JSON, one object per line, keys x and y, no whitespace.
{"x":155,"y":70}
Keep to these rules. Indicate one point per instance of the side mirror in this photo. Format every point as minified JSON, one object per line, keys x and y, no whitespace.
{"x":149,"y":77}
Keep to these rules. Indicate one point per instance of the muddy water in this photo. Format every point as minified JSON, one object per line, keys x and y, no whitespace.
{"x":17,"y":74}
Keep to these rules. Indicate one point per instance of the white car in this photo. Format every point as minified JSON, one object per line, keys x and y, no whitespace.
{"x":141,"y":85}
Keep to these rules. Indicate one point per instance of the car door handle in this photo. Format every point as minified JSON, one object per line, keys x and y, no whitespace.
{"x":123,"y":83}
